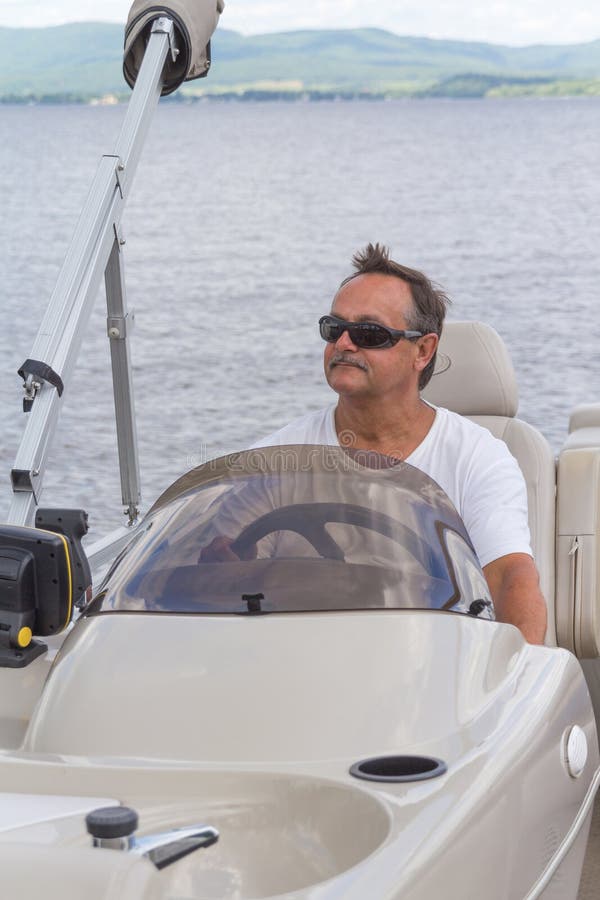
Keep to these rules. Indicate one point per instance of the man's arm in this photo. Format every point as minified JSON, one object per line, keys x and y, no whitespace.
{"x":515,"y":588}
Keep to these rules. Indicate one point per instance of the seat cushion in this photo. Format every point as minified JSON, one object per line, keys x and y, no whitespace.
{"x":475,"y":377}
{"x":474,"y":374}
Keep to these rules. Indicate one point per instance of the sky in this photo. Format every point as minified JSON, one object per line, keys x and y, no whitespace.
{"x":516,"y":22}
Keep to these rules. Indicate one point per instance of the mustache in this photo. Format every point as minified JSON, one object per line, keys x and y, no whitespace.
{"x":347,"y":360}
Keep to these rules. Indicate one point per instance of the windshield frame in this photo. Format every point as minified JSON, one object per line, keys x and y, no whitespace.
{"x":296,"y":470}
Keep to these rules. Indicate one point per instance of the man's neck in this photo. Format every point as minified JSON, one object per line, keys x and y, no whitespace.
{"x":392,"y":429}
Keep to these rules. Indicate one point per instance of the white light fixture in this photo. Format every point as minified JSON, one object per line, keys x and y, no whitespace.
{"x":575,"y":751}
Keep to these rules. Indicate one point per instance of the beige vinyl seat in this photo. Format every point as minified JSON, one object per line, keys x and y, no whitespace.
{"x":475,"y":377}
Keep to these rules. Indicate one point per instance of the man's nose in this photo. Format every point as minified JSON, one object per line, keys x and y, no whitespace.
{"x":344,"y":342}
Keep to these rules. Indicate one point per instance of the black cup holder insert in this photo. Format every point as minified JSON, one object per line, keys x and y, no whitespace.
{"x":398,"y":768}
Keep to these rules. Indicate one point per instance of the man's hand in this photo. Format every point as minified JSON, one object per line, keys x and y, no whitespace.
{"x":219,"y":550}
{"x":515,"y":588}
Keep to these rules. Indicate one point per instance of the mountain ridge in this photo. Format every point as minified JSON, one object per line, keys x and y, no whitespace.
{"x":84,"y":60}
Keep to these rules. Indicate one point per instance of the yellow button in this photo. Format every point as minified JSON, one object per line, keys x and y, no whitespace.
{"x":24,"y":637}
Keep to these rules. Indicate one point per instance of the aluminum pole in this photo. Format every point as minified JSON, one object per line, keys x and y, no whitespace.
{"x":118,"y":326}
{"x":59,"y":338}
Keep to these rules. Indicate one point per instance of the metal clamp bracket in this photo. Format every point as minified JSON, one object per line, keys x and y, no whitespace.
{"x":118,"y":328}
{"x":120,"y":167}
{"x":164,"y":25}
{"x":119,"y":236}
{"x":34,"y":373}
{"x":22,"y":481}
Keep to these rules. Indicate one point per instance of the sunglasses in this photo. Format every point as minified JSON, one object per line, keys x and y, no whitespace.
{"x":366,"y":335}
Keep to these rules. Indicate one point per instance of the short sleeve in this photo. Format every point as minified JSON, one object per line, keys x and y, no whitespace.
{"x":495,"y":503}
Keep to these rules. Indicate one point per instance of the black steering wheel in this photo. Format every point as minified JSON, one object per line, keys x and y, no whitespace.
{"x":309,"y":520}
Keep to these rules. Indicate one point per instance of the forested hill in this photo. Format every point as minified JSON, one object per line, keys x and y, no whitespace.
{"x":83,"y":61}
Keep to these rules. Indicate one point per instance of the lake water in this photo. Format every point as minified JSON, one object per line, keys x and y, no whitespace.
{"x":242,"y":222}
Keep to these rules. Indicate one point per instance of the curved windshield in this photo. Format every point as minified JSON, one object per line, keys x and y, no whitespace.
{"x":297,"y":529}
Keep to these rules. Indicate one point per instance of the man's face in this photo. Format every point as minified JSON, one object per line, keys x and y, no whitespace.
{"x":377,"y":373}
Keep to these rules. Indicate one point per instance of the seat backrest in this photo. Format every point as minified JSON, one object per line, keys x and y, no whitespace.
{"x":475,"y":377}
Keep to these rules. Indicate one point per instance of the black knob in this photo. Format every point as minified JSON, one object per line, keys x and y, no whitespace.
{"x":111,"y":822}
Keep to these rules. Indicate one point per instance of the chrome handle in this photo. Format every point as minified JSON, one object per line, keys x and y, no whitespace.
{"x":169,"y":846}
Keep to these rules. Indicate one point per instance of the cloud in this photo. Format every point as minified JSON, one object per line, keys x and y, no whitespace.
{"x":497,"y":21}
{"x":17,"y":13}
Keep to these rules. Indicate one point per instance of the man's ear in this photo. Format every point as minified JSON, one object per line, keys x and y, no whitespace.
{"x":426,"y":345}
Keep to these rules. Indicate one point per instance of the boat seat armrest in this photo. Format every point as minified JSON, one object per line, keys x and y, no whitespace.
{"x":578,"y":540}
{"x":584,"y":427}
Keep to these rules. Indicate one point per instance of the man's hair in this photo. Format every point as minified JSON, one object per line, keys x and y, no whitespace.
{"x":429,"y":300}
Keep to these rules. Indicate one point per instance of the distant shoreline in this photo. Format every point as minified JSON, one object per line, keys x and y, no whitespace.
{"x":286,"y":97}
{"x":458,"y":87}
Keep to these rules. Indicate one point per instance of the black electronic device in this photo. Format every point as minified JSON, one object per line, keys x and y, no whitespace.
{"x":43,"y":571}
{"x":73,"y":524}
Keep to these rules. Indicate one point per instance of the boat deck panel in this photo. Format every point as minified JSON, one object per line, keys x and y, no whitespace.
{"x":589,"y":888}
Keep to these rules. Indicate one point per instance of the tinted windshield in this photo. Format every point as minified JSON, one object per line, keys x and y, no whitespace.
{"x":290,"y":529}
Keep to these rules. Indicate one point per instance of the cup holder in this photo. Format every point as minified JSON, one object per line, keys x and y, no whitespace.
{"x":398,"y":768}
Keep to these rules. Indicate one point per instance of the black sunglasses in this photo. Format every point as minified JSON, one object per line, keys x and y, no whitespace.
{"x":367,"y":335}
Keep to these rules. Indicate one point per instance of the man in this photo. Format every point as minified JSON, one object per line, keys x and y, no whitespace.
{"x":381,"y":342}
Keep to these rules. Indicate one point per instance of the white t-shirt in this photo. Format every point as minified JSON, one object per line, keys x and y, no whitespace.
{"x":474,"y":468}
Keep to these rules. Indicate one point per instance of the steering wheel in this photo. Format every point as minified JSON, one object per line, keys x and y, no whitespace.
{"x":309,"y":520}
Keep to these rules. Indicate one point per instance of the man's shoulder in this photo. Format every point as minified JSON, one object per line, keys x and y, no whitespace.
{"x":469,"y":444}
{"x":452,"y":422}
{"x":311,"y":428}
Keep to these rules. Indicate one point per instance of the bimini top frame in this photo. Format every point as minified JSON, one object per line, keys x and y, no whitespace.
{"x":164,"y":46}
{"x":95,"y":250}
